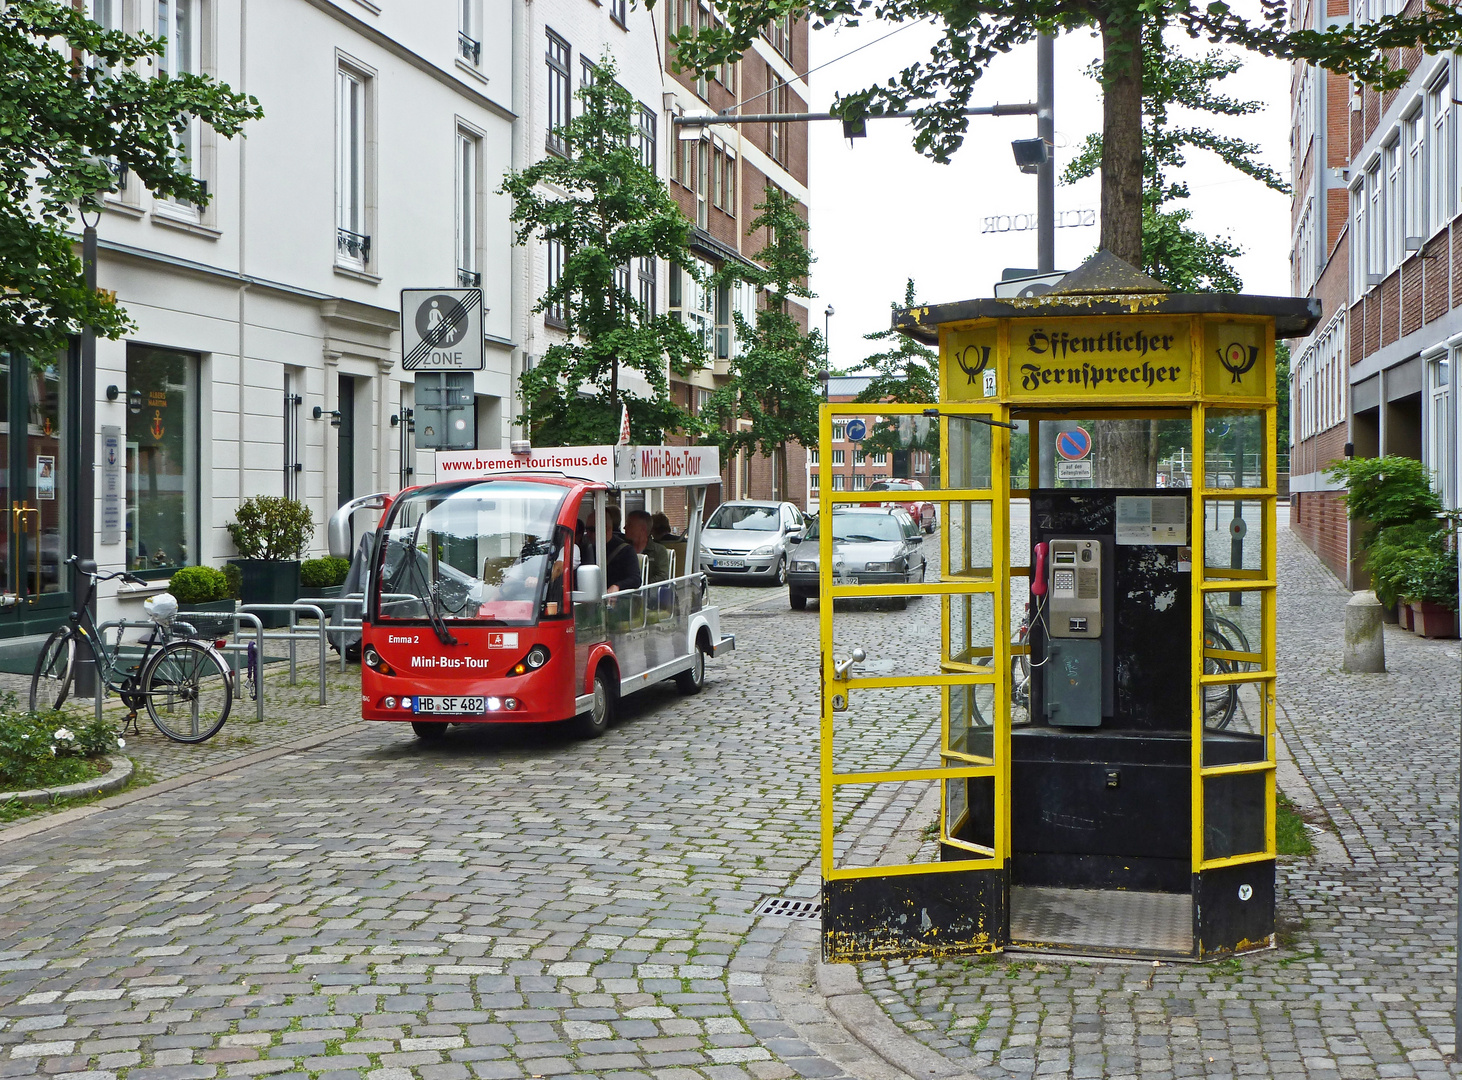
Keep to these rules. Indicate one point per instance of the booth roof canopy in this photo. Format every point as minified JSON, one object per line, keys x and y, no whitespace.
{"x":1105,"y":285}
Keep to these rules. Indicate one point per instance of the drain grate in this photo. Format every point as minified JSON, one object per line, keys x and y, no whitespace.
{"x":789,"y":909}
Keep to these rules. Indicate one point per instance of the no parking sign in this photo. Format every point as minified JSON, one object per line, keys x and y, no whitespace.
{"x":1073,"y":445}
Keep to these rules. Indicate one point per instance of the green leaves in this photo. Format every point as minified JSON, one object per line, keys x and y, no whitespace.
{"x":71,"y":96}
{"x":609,"y":212}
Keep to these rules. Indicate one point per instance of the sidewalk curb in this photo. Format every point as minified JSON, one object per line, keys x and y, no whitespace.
{"x":119,"y":771}
{"x":865,"y":1021}
{"x":77,"y":813}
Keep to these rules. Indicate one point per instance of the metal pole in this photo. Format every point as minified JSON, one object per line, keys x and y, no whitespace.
{"x":1046,"y":173}
{"x":1021,"y":109}
{"x":85,"y":443}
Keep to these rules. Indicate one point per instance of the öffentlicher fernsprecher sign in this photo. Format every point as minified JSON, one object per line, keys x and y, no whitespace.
{"x":441,"y":330}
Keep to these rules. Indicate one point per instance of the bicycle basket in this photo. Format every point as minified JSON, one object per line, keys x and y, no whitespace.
{"x":161,"y":608}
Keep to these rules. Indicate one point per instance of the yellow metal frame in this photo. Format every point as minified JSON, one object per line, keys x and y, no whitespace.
{"x":1194,"y":403}
{"x":958,"y":766}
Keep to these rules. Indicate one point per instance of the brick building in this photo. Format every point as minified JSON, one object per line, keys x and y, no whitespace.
{"x":718,"y":174}
{"x":1378,"y":240}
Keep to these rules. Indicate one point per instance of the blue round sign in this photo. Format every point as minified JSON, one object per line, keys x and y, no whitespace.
{"x":1073,"y":445}
{"x":857,"y":430}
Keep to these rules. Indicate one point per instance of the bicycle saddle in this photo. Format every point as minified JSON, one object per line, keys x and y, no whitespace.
{"x":86,"y":566}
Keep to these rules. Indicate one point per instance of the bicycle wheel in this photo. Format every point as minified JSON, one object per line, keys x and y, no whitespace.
{"x":1219,"y":701}
{"x":54,"y":667}
{"x":1240,"y":641}
{"x":188,"y":691}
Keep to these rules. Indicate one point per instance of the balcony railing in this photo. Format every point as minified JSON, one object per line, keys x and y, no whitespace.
{"x":470,"y":48}
{"x":468,"y":279}
{"x":353,"y":245}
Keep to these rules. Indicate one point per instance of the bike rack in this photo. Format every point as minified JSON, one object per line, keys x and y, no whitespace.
{"x":180,"y":621}
{"x":347,"y":623}
{"x":293,"y":634}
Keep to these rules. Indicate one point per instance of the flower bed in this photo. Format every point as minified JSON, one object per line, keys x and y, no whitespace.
{"x":41,"y":750}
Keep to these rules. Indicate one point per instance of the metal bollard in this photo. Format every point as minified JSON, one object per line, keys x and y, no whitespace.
{"x":1365,"y":646}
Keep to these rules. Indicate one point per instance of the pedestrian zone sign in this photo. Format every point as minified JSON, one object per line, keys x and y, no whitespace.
{"x":441,"y":330}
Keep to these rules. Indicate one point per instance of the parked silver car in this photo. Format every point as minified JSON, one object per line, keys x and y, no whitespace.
{"x":749,"y":540}
{"x":871,"y":546}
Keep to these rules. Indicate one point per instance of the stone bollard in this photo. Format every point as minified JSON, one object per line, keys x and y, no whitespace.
{"x":1365,"y":649}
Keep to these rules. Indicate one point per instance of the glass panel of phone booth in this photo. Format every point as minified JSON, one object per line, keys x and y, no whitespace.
{"x":1236,"y":536}
{"x":1233,"y":621}
{"x":1141,"y":452}
{"x":1235,"y":821}
{"x":969,"y":464}
{"x":1020,"y":457}
{"x":968,"y":545}
{"x":970,"y":734}
{"x":1235,"y":446}
{"x":1238,"y":720}
{"x":897,"y":823}
{"x":879,"y":625}
{"x":884,"y":728}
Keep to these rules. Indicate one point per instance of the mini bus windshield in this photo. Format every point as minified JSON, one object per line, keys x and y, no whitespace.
{"x":486,"y":551}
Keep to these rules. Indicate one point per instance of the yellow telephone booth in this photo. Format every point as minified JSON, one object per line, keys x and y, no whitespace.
{"x":1088,"y":761}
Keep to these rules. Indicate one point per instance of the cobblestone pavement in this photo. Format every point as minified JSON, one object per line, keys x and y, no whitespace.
{"x":511,"y":903}
{"x":1363,"y":984}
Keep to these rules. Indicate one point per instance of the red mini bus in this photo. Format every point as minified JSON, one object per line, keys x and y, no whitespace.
{"x":486,"y":600}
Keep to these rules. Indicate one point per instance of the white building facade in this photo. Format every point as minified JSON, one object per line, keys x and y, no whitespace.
{"x":265,"y":358}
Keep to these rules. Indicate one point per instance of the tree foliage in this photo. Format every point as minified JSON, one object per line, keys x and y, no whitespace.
{"x":73,"y":97}
{"x":971,"y":36}
{"x":771,"y":395}
{"x":1176,"y":254}
{"x":608,"y":210}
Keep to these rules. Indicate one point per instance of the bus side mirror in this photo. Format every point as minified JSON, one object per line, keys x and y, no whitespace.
{"x":589,"y":585}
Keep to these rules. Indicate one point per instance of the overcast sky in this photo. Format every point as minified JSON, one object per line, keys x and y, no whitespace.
{"x":881,"y":213}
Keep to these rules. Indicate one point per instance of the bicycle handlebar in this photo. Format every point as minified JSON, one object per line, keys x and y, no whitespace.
{"x":96,"y":575}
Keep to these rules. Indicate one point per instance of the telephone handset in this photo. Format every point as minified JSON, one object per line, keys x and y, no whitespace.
{"x":1038,"y":578}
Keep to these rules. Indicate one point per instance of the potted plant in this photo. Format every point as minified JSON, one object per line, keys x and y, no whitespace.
{"x":200,"y":588}
{"x":271,"y":533}
{"x":323,"y":577}
{"x":1385,"y":494}
{"x":1433,"y":591}
{"x":1391,"y":558}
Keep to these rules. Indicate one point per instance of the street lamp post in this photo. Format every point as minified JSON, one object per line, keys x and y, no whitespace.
{"x":85,"y":531}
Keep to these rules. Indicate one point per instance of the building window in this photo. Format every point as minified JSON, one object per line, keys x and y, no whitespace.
{"x":779,"y":33}
{"x":587,"y":71}
{"x":469,"y":32}
{"x":559,"y":94}
{"x":880,"y":459}
{"x":622,"y":287}
{"x":1439,"y":428}
{"x":619,"y":12}
{"x":776,"y":103}
{"x":647,"y":288}
{"x":647,"y":137}
{"x":693,"y":301}
{"x":1441,"y":159}
{"x":352,"y":240}
{"x":723,"y":320}
{"x":838,"y":427}
{"x":813,"y":483}
{"x":838,"y":457}
{"x":1394,"y":205}
{"x":812,"y":456}
{"x":702,"y":400}
{"x":859,"y":458}
{"x":469,"y":275}
{"x":860,"y":482}
{"x":1413,"y":130}
{"x":702,"y":159}
{"x":162,"y":459}
{"x":839,"y":481}
{"x":177,"y":20}
{"x":1376,"y":237}
{"x":554,"y":314}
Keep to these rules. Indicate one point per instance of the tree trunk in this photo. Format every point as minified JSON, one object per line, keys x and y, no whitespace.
{"x":1122,"y":140}
{"x":1121,"y":451}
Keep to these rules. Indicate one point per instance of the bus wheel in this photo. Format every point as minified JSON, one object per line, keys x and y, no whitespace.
{"x":690,"y":682}
{"x":430,"y":730}
{"x":596,"y":721}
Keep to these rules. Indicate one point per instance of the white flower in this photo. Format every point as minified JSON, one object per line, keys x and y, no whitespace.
{"x":64,"y":734}
{"x":121,"y":743}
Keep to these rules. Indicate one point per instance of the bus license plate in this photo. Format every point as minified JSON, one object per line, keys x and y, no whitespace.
{"x":730,"y":564}
{"x":442,"y":706}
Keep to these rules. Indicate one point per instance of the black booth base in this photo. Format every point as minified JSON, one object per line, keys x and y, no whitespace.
{"x":1233,"y":909}
{"x":936,"y":914}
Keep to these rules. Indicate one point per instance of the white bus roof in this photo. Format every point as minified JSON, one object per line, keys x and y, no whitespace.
{"x":622,"y":466}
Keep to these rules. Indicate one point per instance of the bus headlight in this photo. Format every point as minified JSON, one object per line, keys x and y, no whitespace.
{"x":388,"y":703}
{"x":372,"y":660}
{"x":536,"y":658}
{"x":494,"y":704}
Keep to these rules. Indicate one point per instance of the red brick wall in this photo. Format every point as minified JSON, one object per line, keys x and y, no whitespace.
{"x":1410,"y":295}
{"x":1319,"y":519}
{"x":1390,"y":295}
{"x":1434,"y":267}
{"x":1313,"y":454}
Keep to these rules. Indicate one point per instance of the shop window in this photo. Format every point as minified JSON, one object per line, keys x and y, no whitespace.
{"x":162,"y":459}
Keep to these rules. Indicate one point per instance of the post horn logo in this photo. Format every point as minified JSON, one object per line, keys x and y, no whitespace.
{"x":982,"y":354}
{"x":1238,"y":359}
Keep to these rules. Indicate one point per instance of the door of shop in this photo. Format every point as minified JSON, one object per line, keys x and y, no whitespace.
{"x":35,"y":494}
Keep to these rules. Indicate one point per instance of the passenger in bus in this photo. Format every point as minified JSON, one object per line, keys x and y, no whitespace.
{"x":623,"y":569}
{"x":637,"y":531}
{"x":661,"y":531}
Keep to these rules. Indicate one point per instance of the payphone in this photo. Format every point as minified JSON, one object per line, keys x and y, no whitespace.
{"x":1069,"y":576}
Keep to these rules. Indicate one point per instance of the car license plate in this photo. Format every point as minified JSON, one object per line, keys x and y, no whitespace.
{"x":729,"y":564}
{"x":443,"y":706}
{"x":847,"y":579}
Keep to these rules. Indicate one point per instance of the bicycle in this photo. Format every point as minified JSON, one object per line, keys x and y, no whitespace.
{"x":184,"y":684}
